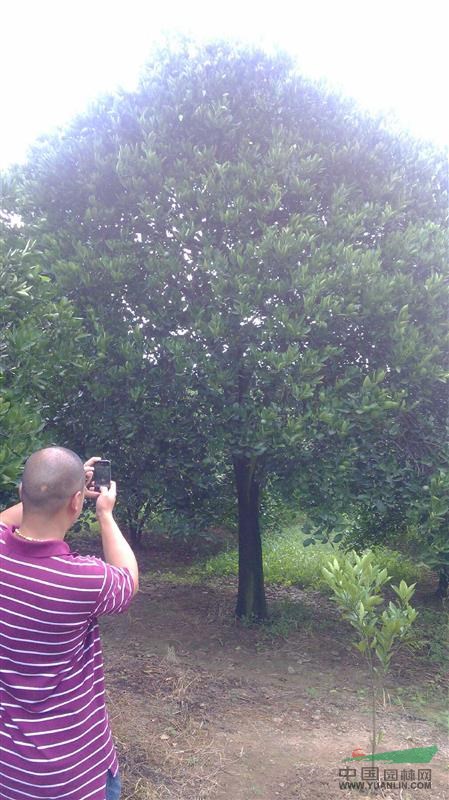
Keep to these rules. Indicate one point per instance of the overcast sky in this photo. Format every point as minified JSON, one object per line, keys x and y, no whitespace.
{"x":58,"y":55}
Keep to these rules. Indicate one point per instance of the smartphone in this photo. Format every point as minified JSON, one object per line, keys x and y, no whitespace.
{"x":102,"y":474}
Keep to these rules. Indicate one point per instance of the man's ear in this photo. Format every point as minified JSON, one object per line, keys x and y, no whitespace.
{"x":76,"y":502}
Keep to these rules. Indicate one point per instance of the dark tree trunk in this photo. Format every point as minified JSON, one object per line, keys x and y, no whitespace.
{"x":134,"y":531}
{"x":443,"y":584}
{"x":135,"y":537}
{"x":251,"y":593}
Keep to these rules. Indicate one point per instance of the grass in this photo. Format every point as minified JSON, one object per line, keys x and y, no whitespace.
{"x":285,"y":617}
{"x":428,"y":702}
{"x":287,"y":562}
{"x":429,"y":637}
{"x":429,"y":645}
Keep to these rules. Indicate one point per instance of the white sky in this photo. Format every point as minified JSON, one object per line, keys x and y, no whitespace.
{"x":58,"y":55}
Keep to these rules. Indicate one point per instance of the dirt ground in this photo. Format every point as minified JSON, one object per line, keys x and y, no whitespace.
{"x":204,"y":708}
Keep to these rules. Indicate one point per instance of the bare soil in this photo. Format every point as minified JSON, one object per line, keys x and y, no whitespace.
{"x":204,"y":708}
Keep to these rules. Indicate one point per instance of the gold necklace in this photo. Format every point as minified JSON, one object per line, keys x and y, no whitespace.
{"x":27,"y":538}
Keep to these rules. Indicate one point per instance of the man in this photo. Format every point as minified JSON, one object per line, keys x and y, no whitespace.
{"x":55,"y":739}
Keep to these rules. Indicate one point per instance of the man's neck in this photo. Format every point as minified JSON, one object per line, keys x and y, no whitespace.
{"x":36,"y":527}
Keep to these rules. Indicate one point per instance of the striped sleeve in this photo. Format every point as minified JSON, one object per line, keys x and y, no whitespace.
{"x":117,"y":591}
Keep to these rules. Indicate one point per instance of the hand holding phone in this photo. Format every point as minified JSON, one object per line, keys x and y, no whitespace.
{"x":102,"y":474}
{"x":105,"y":502}
{"x":90,"y":494}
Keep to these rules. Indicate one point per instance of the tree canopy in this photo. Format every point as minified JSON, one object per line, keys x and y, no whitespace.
{"x":261,"y":270}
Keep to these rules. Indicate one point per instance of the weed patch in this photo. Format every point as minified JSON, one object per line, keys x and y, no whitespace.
{"x":287,"y":562}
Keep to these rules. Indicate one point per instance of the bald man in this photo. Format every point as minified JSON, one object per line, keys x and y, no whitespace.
{"x":55,"y":738}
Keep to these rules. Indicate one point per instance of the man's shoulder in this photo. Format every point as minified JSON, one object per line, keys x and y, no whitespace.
{"x":75,"y":564}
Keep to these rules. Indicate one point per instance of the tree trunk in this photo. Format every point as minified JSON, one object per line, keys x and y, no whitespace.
{"x":443,"y":583}
{"x":134,"y":530}
{"x":135,"y":537}
{"x":251,"y":592}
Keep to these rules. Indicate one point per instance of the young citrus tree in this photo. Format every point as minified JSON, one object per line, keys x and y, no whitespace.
{"x":357,"y":583}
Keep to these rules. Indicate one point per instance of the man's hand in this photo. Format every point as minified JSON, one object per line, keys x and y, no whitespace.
{"x":106,"y":500}
{"x":115,"y":547}
{"x":88,"y":475}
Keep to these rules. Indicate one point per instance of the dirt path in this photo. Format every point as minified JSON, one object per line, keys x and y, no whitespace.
{"x":202,"y":707}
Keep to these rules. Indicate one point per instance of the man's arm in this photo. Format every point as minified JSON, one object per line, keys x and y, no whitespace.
{"x":116,"y":549}
{"x":12,"y":516}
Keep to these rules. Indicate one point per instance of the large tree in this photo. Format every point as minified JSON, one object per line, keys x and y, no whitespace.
{"x":274,"y":256}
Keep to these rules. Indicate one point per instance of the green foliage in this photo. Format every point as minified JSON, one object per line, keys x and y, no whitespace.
{"x":357,"y":583}
{"x":285,"y":617}
{"x":276,"y":510}
{"x":428,"y":639}
{"x":429,"y":644}
{"x":288,"y":563}
{"x":398,"y":565}
{"x":37,"y":336}
{"x":180,"y":527}
{"x":20,"y":424}
{"x":261,"y":270}
{"x":223,"y":564}
{"x":432,"y":517}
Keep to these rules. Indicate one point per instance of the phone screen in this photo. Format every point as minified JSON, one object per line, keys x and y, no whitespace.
{"x":102,"y":473}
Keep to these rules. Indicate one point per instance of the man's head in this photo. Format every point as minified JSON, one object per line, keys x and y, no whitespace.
{"x":53,"y":482}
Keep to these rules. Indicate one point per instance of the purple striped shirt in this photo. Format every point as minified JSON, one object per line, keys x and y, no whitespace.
{"x":55,"y":739}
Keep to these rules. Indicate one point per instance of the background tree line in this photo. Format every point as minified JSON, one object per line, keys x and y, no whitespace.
{"x":238,"y":281}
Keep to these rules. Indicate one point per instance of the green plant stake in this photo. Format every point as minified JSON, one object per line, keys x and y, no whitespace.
{"x":357,"y":583}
